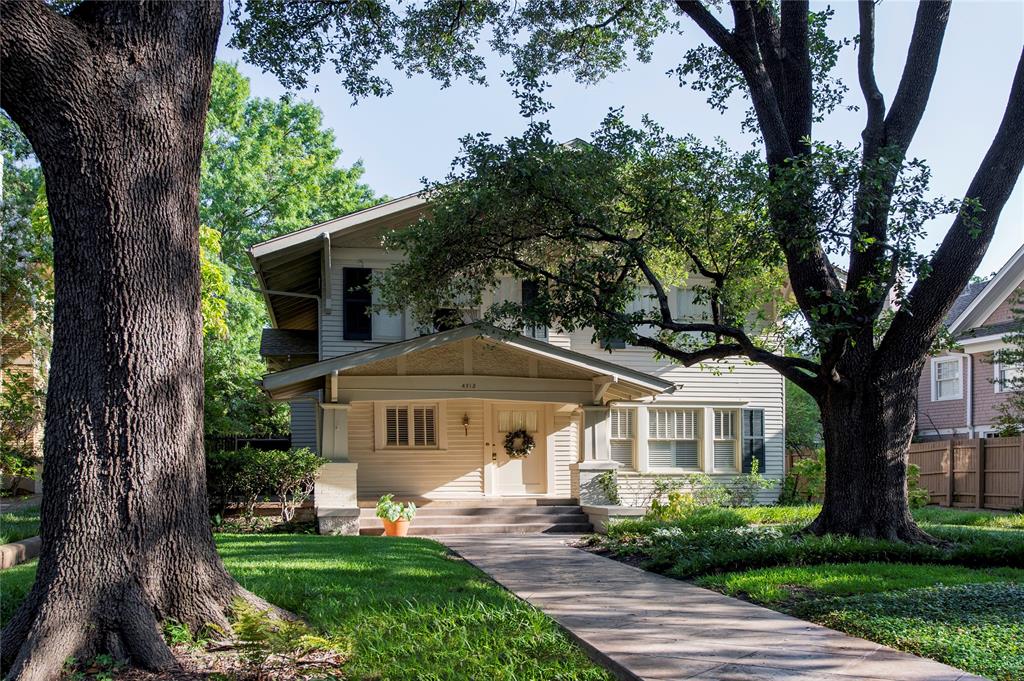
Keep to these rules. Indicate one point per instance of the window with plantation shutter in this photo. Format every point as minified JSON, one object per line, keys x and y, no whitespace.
{"x":409,"y":425}
{"x":621,"y":436}
{"x":423,"y":430}
{"x":673,"y":438}
{"x":725,"y":440}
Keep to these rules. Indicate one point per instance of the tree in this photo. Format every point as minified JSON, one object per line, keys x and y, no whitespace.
{"x":113,"y":97}
{"x":823,"y":203}
{"x":113,"y":100}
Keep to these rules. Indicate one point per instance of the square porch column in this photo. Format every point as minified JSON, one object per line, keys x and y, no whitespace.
{"x":596,"y":443}
{"x":335,"y":494}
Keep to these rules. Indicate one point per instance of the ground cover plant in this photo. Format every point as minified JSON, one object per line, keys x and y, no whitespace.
{"x":409,"y":608}
{"x":961,"y":603}
{"x":18,"y":525}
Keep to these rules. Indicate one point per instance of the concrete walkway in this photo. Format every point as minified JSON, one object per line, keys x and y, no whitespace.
{"x":645,"y":626}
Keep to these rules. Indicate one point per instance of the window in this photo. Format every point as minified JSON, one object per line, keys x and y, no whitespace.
{"x":356,"y":302}
{"x":530,"y":293}
{"x":1006,"y":377}
{"x":725,"y":440}
{"x":752,"y":438}
{"x":409,"y":425}
{"x":674,"y":438}
{"x":621,"y":431}
{"x":946,"y":384}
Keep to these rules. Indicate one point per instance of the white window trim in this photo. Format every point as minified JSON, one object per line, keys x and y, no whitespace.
{"x":380,"y":429}
{"x":934,"y":382}
{"x":700,"y":428}
{"x":997,"y":385}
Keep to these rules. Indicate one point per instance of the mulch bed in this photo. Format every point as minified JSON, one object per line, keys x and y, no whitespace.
{"x":222,"y":665}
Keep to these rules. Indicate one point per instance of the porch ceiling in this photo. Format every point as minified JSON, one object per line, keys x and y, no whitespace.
{"x":472,"y":361}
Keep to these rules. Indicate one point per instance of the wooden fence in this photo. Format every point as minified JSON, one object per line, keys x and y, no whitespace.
{"x":981,"y":473}
{"x":233,"y":443}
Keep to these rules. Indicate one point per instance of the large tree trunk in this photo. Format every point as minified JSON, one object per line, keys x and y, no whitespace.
{"x":868,"y":423}
{"x":113,"y":99}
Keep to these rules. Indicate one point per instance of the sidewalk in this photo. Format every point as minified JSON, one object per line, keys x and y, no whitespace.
{"x":645,"y":626}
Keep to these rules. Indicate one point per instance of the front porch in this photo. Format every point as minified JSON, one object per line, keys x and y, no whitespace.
{"x":427,"y":419}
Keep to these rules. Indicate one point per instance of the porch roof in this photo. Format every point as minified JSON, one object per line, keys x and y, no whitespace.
{"x":604,"y":380}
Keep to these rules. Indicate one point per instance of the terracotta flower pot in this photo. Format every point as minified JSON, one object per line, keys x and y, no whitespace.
{"x":395,"y":528}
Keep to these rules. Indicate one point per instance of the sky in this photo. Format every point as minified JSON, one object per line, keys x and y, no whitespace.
{"x":414,"y":133}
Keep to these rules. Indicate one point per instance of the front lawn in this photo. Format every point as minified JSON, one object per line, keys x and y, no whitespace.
{"x":411,"y":610}
{"x":962,"y":604}
{"x":18,"y":525}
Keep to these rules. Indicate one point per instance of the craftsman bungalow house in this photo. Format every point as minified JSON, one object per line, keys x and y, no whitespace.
{"x":960,"y":391}
{"x":424,"y":414}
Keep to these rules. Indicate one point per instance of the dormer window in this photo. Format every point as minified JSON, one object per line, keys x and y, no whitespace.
{"x":530,"y":293}
{"x":356,"y":302}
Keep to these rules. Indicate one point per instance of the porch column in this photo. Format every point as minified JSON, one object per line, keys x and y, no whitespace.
{"x":597,"y":457}
{"x":335,"y":498}
{"x":596,"y":445}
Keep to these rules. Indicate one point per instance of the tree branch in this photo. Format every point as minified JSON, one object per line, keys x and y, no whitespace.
{"x":35,"y":42}
{"x":875,"y":102}
{"x":918,"y":74}
{"x":918,"y":321}
{"x":797,"y":90}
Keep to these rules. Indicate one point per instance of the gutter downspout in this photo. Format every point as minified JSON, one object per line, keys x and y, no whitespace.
{"x":969,"y":387}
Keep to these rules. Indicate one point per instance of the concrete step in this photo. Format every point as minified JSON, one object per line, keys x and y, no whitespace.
{"x":488,"y":511}
{"x":510,"y":519}
{"x":417,"y":530}
{"x":479,"y":502}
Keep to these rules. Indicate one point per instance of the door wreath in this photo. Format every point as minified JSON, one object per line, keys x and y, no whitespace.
{"x":519,"y":444}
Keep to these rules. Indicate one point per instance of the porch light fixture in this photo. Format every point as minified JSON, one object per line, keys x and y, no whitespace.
{"x":465,"y":422}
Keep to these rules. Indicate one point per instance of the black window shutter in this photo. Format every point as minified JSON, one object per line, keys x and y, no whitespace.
{"x":356,"y":299}
{"x":530,"y":291}
{"x":753,"y":438}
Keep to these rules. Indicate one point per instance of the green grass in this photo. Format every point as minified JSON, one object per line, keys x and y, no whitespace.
{"x":17,"y":525}
{"x":411,"y":610}
{"x":791,"y":584}
{"x":975,"y":627}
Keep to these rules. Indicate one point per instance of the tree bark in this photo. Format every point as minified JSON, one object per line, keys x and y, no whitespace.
{"x":867,"y":425}
{"x":113,"y":98}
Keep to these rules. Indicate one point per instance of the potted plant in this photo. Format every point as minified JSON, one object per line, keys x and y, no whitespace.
{"x":395,"y":515}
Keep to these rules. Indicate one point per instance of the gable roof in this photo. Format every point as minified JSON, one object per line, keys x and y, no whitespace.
{"x":991,"y":295}
{"x":288,"y":267}
{"x":309,"y":377}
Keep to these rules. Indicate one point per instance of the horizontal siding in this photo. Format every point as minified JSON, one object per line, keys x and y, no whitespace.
{"x":758,"y":385}
{"x":636,"y":489}
{"x":932,"y":416}
{"x":567,"y":448}
{"x":303,"y":424}
{"x":455,"y":472}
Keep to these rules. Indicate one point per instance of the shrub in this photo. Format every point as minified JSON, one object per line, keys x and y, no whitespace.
{"x":245,"y":476}
{"x":266,"y":641}
{"x":608,"y":483}
{"x":805,"y":480}
{"x":917,"y":496}
{"x":744,"y":487}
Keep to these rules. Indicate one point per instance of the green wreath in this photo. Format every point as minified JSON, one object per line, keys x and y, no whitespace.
{"x":519,"y":444}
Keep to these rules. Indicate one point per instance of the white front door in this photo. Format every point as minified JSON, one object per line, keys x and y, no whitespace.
{"x":520,"y":475}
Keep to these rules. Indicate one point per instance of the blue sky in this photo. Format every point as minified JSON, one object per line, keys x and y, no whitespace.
{"x":414,"y":133}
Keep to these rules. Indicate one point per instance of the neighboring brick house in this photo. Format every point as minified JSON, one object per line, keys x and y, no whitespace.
{"x":959,"y":392}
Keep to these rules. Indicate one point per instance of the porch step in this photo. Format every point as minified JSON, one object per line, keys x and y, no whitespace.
{"x":497,"y":512}
{"x":476,"y":502}
{"x":418,"y":530}
{"x":504,"y":519}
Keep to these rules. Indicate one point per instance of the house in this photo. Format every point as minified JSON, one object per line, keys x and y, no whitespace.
{"x":959,"y":392}
{"x":425,"y":414}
